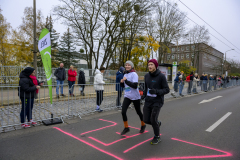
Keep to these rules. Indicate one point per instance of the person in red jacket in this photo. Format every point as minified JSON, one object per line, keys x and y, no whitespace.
{"x":71,"y":79}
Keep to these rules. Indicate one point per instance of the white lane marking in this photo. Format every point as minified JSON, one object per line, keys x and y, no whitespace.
{"x":209,"y":100}
{"x":211,"y":128}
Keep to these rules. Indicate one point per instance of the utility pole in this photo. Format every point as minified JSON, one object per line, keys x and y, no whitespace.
{"x":226,"y":60}
{"x":34,"y":37}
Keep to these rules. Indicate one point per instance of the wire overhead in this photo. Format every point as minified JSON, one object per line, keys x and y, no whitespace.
{"x":208,"y":24}
{"x":198,"y":25}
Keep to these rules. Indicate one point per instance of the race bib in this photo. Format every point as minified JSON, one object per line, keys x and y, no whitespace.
{"x":151,"y":95}
{"x":127,"y":89}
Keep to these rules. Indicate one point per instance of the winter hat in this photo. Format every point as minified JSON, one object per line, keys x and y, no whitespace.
{"x":121,"y":69}
{"x":130,"y":62}
{"x":28,"y":71}
{"x":155,"y":62}
{"x":81,"y":69}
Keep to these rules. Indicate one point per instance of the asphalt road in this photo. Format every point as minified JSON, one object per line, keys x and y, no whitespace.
{"x":183,"y":133}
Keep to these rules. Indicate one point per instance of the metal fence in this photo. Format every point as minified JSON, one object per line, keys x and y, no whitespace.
{"x":78,"y":104}
{"x":10,"y":75}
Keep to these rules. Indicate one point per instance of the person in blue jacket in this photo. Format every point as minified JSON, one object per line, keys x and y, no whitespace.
{"x":119,"y":89}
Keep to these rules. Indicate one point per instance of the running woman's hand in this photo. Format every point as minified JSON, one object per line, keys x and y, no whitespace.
{"x":153,"y":91}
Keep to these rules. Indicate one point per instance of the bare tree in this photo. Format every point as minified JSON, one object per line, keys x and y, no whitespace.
{"x":170,"y":26}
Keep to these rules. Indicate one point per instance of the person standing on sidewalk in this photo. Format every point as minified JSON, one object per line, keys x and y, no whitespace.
{"x":156,"y":87}
{"x":60,"y":74}
{"x":131,"y":94}
{"x":29,"y":86}
{"x":82,"y":80}
{"x":195,"y":81}
{"x":99,"y":88}
{"x":183,"y":79}
{"x":119,"y":89}
{"x":175,"y":86}
{"x":71,"y":80}
{"x":181,"y":85}
{"x":190,"y":83}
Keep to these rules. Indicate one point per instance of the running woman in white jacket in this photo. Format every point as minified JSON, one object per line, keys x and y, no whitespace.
{"x":131,"y":94}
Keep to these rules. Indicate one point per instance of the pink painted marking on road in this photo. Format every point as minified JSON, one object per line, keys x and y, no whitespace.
{"x":89,"y":144}
{"x":136,"y":145}
{"x":226,"y":154}
{"x":114,"y":124}
{"x":108,"y":144}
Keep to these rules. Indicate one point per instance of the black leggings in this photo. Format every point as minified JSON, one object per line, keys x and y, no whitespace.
{"x":151,"y":117}
{"x":99,"y":97}
{"x":126,"y":103}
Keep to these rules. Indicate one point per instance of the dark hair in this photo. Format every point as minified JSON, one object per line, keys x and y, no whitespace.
{"x":102,"y":68}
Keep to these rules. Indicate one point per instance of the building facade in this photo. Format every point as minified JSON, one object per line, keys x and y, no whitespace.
{"x":203,"y":57}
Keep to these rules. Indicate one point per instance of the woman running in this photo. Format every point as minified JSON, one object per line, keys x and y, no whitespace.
{"x":131,"y":94}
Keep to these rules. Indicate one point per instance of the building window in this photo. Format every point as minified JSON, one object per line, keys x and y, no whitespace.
{"x":178,"y":49}
{"x":191,"y":64}
{"x":178,"y":56}
{"x":193,"y":47}
{"x":173,"y":49}
{"x":173,"y":56}
{"x":187,"y":55}
{"x":168,"y":57}
{"x":187,"y":48}
{"x":182,"y":48}
{"x":192,"y":55}
{"x":182,"y":56}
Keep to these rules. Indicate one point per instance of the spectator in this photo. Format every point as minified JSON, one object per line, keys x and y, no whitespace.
{"x":181,"y":85}
{"x":215,"y":82}
{"x":175,"y":87}
{"x":71,"y":80}
{"x":211,"y":82}
{"x":60,"y":74}
{"x":237,"y":81}
{"x":195,"y":80}
{"x":183,"y":79}
{"x":219,"y":81}
{"x":81,"y":80}
{"x":205,"y":81}
{"x":99,"y":88}
{"x":201,"y":82}
{"x":190,"y":83}
{"x":119,"y":89}
{"x":29,"y":87}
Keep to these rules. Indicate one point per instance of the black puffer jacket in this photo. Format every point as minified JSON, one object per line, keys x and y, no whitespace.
{"x":81,"y":78}
{"x":27,"y":88}
{"x":60,"y":74}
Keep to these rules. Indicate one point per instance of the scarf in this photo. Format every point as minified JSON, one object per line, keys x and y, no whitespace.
{"x":34,"y":79}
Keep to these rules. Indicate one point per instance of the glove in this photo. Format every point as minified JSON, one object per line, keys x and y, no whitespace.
{"x":153,"y":91}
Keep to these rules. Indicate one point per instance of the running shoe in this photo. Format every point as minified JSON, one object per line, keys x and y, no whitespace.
{"x":155,"y":140}
{"x":142,"y":129}
{"x":125,"y":131}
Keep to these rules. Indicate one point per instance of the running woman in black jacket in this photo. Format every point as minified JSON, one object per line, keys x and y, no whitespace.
{"x":156,"y":87}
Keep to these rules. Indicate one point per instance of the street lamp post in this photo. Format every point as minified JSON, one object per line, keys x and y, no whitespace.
{"x":226,"y":58}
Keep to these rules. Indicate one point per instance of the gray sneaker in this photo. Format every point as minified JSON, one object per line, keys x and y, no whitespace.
{"x":155,"y":140}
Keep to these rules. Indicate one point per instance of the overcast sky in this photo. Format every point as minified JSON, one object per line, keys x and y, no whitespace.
{"x":223,"y":15}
